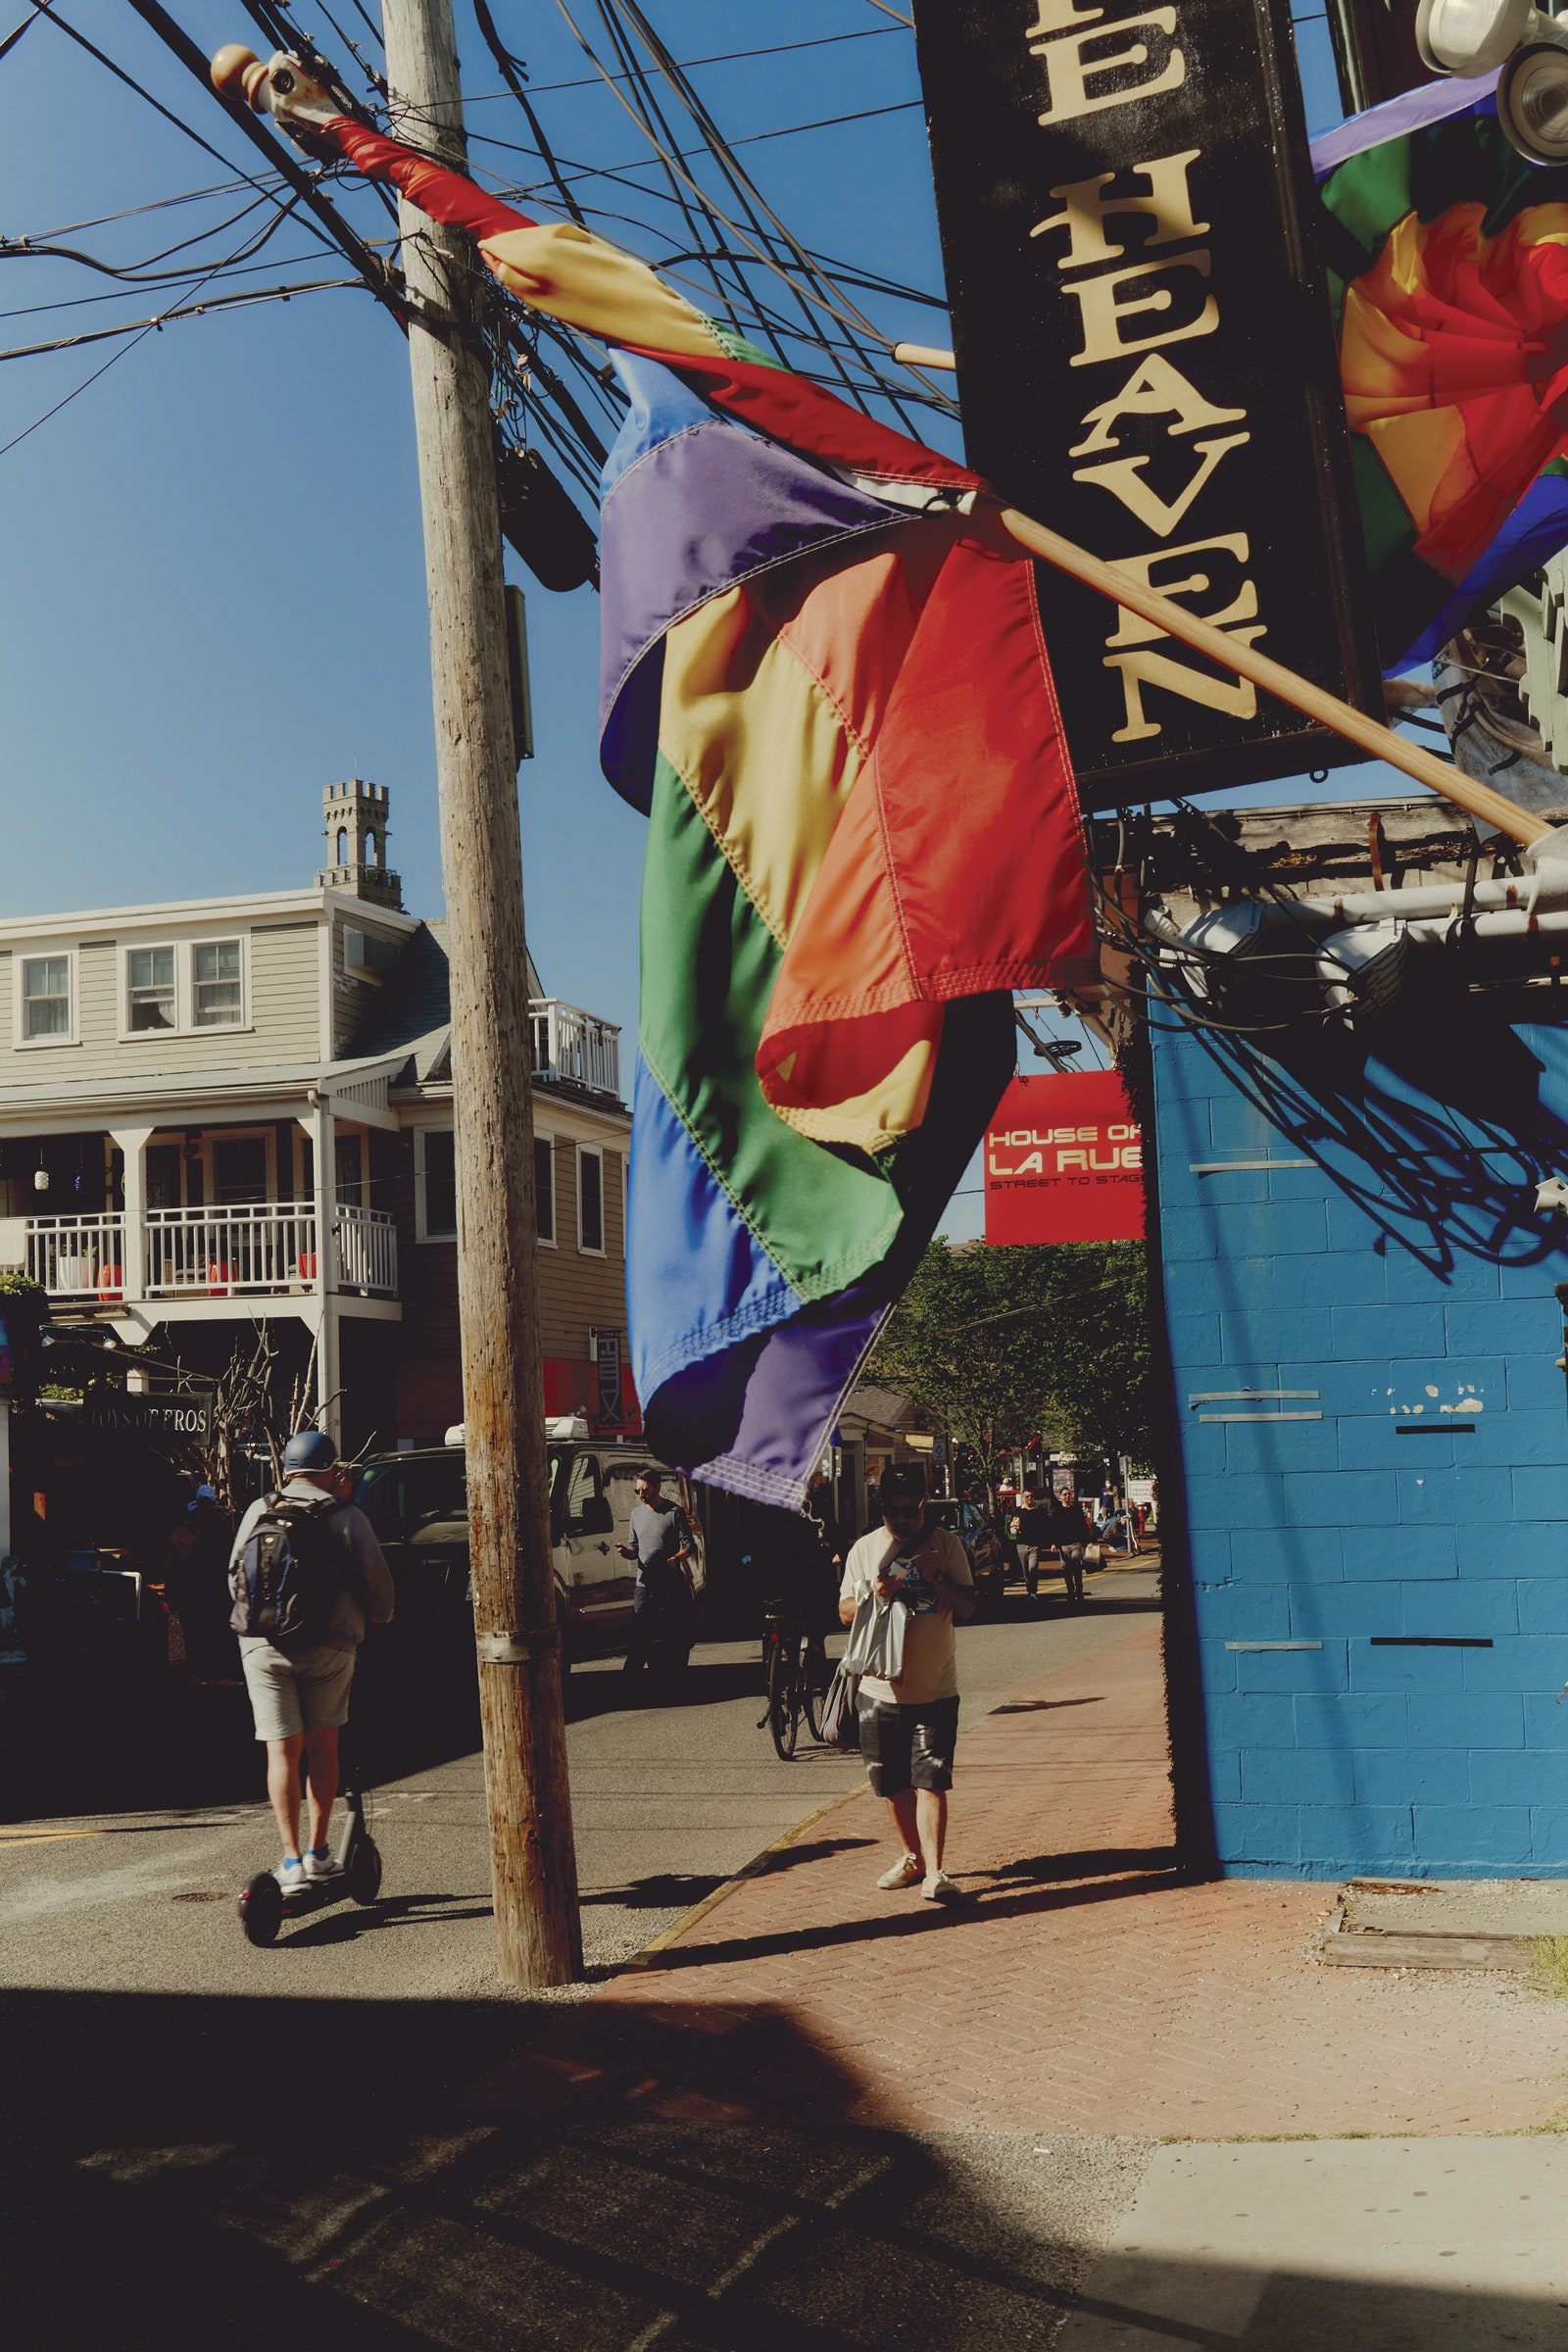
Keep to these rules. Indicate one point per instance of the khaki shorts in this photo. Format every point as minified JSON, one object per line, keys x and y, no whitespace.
{"x":307,"y":1689}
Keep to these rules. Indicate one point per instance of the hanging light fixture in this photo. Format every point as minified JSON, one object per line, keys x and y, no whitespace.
{"x":1471,"y":38}
{"x":40,"y":1174}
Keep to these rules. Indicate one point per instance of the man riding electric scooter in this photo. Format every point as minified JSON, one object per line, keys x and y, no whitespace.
{"x":307,"y":1573}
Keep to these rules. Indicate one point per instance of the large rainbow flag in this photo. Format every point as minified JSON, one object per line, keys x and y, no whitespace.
{"x":1447,"y":256}
{"x":824,"y":680}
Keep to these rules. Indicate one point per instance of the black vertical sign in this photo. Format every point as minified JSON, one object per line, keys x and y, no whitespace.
{"x":1147,"y":363}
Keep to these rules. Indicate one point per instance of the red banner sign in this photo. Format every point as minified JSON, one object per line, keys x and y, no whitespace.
{"x":1064,"y":1163}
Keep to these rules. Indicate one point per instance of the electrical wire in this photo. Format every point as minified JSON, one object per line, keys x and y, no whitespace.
{"x":515,"y":74}
{"x":82,"y":302}
{"x":751,"y":200}
{"x":725,"y":56}
{"x":16,"y":31}
{"x":46,"y":8}
{"x":157,"y":203}
{"x":194,"y":310}
{"x":10,"y":251}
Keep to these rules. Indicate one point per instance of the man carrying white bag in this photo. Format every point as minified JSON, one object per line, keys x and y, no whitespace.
{"x":904,"y":1585}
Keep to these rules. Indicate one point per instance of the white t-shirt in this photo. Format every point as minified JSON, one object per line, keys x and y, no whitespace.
{"x":930,"y":1653}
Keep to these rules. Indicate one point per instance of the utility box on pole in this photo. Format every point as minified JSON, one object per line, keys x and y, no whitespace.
{"x":1146,"y":359}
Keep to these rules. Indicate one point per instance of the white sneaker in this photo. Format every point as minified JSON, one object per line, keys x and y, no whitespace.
{"x":940,"y":1889}
{"x":323,"y":1865}
{"x":902,"y":1874}
{"x":289,"y":1873}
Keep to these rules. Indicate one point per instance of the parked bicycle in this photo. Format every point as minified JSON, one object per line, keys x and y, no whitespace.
{"x":795,"y":1665}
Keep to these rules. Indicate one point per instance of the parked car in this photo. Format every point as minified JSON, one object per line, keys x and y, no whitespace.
{"x":417,"y":1502}
{"x":988,"y":1562}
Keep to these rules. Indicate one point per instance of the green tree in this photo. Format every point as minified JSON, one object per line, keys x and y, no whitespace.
{"x":1001,"y":1345}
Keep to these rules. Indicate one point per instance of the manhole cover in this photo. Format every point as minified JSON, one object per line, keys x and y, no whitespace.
{"x":207,"y":1896}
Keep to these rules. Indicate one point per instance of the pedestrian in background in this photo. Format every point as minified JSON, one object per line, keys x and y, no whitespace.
{"x":910,"y":1728}
{"x":1032,"y":1530}
{"x":662,"y":1605}
{"x":1070,"y":1530}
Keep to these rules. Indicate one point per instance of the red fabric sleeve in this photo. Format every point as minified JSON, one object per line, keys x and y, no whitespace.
{"x":445,"y":195}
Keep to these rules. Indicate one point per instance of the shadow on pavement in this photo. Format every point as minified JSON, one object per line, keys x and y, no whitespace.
{"x":675,"y":1890}
{"x":1098,"y":1863}
{"x":334,"y":2177}
{"x":976,"y":1906}
{"x":1041,"y":1706}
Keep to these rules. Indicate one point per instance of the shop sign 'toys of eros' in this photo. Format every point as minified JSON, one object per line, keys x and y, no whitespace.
{"x":1147,"y":363}
{"x":1064,"y":1163}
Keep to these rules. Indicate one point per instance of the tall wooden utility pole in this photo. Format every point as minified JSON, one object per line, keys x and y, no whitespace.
{"x":533,"y":1860}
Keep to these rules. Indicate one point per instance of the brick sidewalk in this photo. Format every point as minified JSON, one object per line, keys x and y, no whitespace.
{"x":1084,"y":1988}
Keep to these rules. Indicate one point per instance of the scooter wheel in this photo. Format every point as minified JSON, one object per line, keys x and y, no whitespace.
{"x":364,"y":1872}
{"x":260,"y":1909}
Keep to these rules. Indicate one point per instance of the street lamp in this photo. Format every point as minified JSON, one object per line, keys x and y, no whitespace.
{"x":1471,"y":38}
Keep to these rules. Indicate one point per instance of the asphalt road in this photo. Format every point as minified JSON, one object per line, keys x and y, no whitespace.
{"x":668,"y":1802}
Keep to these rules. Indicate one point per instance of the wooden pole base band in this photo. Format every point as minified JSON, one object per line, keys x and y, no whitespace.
{"x":1376,"y":740}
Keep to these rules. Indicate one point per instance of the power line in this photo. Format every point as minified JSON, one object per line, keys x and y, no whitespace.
{"x":82,"y":302}
{"x":157,"y":203}
{"x":16,"y":31}
{"x":687,"y":155}
{"x":724,"y":57}
{"x":190,"y":309}
{"x":370,"y":267}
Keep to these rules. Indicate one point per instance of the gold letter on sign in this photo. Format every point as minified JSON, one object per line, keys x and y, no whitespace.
{"x":1122,"y":477}
{"x":1167,"y":204}
{"x":1102,"y":313}
{"x":1135,"y":630}
{"x":1153,"y":389}
{"x":1235,"y":697}
{"x":1157,"y":65}
{"x":1060,"y":16}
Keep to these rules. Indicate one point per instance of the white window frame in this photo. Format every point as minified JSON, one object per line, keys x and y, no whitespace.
{"x":552,"y":1240}
{"x":185,"y":1024}
{"x":422,"y":1231}
{"x":44,"y":954}
{"x":149,"y":947}
{"x":220,"y":939}
{"x":591,"y":1151}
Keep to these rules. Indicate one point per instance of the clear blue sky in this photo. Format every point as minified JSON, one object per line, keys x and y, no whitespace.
{"x":213,"y":600}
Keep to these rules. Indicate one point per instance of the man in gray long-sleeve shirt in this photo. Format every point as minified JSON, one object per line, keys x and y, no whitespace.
{"x":300,"y":1697}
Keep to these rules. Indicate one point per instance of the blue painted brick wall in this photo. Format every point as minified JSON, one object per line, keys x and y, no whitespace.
{"x":1410,"y":1293}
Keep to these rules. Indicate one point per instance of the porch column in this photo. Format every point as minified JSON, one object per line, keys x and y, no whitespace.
{"x":131,"y":1143}
{"x":322,"y":1128}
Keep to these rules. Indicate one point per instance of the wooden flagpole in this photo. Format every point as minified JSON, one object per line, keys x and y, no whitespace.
{"x":1377,"y":741}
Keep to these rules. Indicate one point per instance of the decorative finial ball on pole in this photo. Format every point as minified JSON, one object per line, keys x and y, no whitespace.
{"x":237,"y":73}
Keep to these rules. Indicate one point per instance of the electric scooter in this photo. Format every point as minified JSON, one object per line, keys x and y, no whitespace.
{"x":262,"y":1904}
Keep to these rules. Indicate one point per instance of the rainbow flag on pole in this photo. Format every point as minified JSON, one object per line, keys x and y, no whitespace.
{"x":1447,"y":256}
{"x":824,"y":681}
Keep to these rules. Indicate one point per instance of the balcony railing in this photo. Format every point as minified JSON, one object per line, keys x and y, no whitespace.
{"x":259,"y":1247}
{"x":366,"y":1252}
{"x":78,"y":1257}
{"x":575,"y":1047}
{"x":227,"y":1252}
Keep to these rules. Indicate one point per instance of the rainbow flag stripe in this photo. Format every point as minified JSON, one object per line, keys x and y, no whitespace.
{"x":823,"y":680}
{"x":1447,"y":256}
